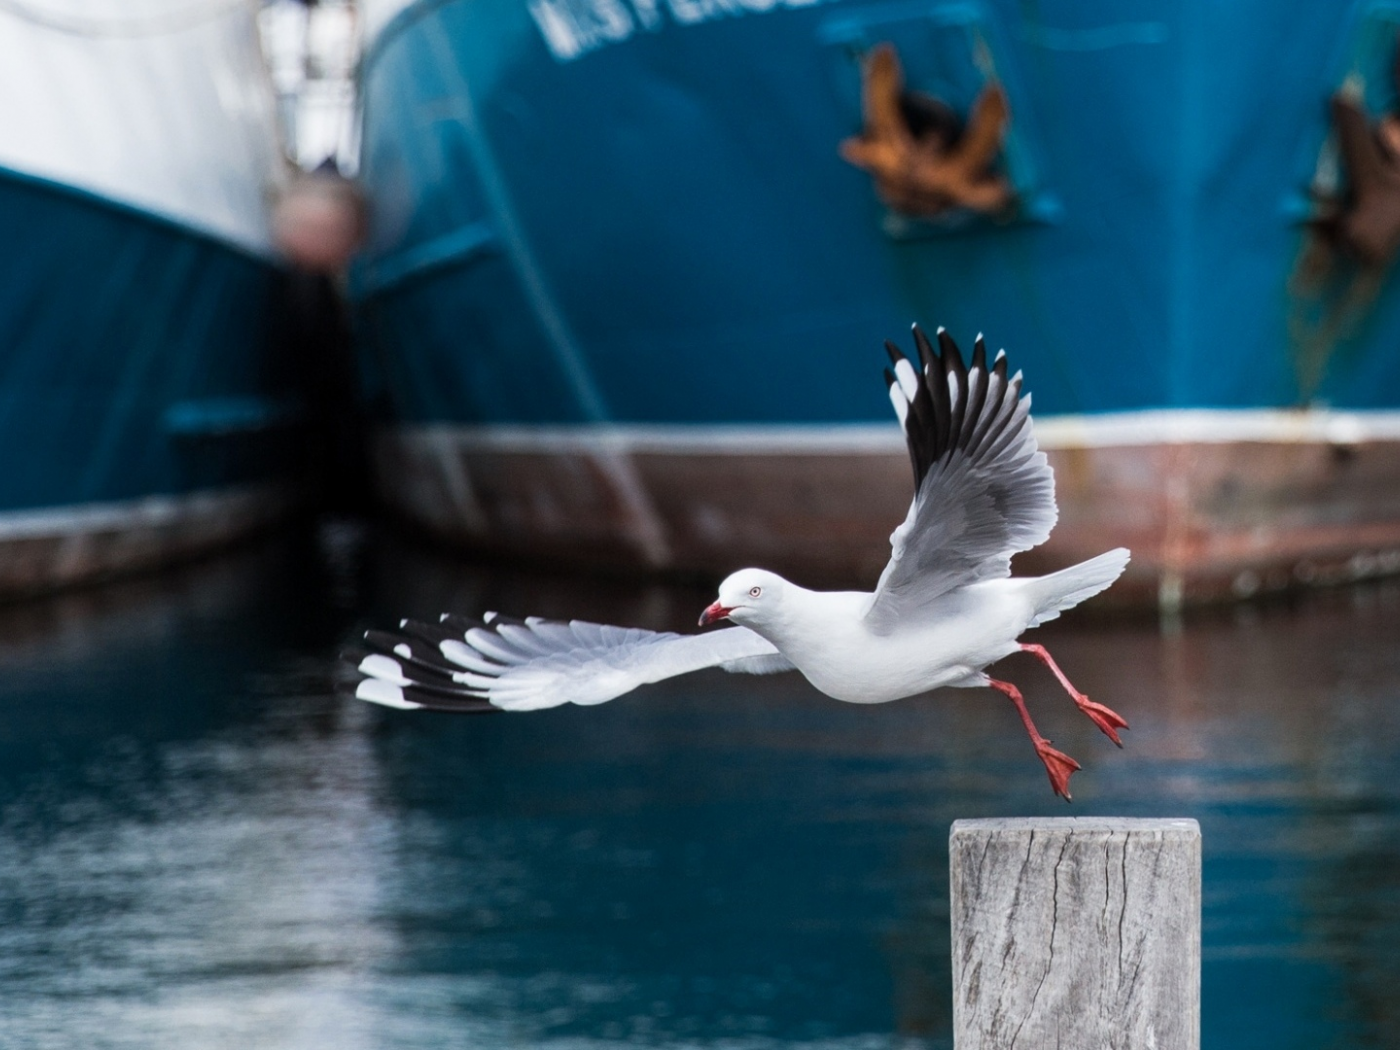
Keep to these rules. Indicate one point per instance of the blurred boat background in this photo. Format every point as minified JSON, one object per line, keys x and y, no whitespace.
{"x":630,"y":262}
{"x":629,"y":265}
{"x":148,"y":404}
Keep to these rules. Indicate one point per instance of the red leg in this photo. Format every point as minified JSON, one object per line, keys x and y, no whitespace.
{"x":1107,"y":719}
{"x":1058,"y":764}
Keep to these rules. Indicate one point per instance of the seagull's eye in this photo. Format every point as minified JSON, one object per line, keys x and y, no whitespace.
{"x":754,"y":592}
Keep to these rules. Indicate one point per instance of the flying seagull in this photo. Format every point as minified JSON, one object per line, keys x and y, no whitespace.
{"x":945,"y":608}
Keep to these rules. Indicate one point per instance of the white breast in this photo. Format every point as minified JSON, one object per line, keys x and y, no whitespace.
{"x":827,"y":638}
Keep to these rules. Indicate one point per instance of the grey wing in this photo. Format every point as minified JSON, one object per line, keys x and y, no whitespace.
{"x":983,"y":489}
{"x":499,"y":663}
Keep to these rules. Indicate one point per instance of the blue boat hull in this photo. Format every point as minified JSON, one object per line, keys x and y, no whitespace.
{"x":605,"y":215}
{"x":146,"y":412}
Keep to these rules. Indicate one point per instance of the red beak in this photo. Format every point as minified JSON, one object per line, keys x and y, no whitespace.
{"x":714,"y":612}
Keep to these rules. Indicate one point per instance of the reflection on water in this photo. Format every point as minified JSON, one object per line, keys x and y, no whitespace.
{"x":202,"y":847}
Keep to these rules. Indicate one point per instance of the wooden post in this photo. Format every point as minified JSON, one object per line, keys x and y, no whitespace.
{"x":1079,"y":932}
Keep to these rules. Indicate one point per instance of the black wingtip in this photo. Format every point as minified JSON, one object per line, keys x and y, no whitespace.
{"x":957,"y":405}
{"x":450,"y":701}
{"x":952,"y":356}
{"x":946,"y":347}
{"x":927,"y":357}
{"x":431,"y":633}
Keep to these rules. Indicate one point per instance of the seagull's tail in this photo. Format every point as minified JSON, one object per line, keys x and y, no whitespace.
{"x":1067,"y":588}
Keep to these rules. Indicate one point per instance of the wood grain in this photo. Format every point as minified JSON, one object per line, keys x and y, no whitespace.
{"x":1081,"y":932}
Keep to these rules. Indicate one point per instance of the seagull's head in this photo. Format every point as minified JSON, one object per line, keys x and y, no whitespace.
{"x":749,"y":596}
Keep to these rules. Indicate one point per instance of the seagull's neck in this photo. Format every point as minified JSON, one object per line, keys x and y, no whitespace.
{"x":807,"y":620}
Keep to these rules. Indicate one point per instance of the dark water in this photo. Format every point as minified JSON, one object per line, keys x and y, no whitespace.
{"x":201,"y":847}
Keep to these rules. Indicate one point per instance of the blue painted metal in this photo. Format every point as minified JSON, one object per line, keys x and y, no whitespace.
{"x":228,"y":416}
{"x":672,"y":236}
{"x":115,"y":327}
{"x":457,"y":247}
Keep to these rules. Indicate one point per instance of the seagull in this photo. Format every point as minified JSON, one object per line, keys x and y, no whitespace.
{"x":945,"y":608}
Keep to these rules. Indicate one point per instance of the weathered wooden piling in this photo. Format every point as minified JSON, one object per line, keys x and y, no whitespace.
{"x":1081,"y":932}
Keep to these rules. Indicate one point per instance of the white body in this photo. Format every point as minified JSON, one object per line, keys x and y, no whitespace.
{"x":825,"y":635}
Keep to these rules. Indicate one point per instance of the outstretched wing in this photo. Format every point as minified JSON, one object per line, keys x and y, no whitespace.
{"x":502,"y":664}
{"x":983,"y":490}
